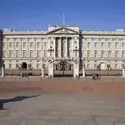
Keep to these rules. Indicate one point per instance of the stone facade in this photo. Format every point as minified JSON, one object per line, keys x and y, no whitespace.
{"x":1,"y":47}
{"x":81,"y":49}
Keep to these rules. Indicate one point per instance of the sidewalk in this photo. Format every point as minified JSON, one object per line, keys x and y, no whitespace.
{"x":39,"y":78}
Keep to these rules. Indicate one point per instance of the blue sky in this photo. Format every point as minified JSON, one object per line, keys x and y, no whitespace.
{"x":37,"y":14}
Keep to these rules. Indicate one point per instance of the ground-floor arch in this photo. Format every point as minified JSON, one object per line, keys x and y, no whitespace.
{"x":103,"y":66}
{"x":63,"y":69}
{"x":24,"y":65}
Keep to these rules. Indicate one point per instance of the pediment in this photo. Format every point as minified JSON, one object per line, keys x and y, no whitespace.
{"x":63,"y":30}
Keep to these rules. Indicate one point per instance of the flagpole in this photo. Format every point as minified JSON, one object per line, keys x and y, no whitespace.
{"x":63,"y":19}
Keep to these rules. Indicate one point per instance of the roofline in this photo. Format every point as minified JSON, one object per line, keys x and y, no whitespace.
{"x":50,"y":25}
{"x":61,"y":28}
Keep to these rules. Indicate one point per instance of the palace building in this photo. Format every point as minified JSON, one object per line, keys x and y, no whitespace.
{"x":63,"y":48}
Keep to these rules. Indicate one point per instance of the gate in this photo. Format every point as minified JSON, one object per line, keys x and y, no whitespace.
{"x":63,"y":69}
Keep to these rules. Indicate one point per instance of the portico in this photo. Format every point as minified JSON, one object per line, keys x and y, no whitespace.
{"x":63,"y":50}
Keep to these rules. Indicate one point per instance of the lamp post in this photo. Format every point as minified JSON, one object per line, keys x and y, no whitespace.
{"x":3,"y":69}
{"x":83,"y":66}
{"x":123,"y":69}
{"x":42,"y":71}
{"x":51,"y":68}
{"x":76,"y":50}
{"x":50,"y":50}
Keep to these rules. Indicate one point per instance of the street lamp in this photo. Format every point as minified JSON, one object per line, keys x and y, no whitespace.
{"x":50,"y":50}
{"x":123,"y":68}
{"x":76,"y":50}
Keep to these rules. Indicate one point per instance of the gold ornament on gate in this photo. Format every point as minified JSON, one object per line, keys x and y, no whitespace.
{"x":59,"y":66}
{"x":67,"y":66}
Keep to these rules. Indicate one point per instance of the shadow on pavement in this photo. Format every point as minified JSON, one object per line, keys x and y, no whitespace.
{"x":18,"y":98}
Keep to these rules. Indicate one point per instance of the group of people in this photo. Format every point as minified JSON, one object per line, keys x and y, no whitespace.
{"x":25,"y":74}
{"x":95,"y":76}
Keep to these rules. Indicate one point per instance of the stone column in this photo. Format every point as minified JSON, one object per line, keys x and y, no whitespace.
{"x":76,"y":69}
{"x":50,"y":68}
{"x":2,"y":72}
{"x":42,"y":71}
{"x":83,"y":70}
{"x":123,"y":71}
{"x":66,"y":47}
{"x":59,"y":47}
{"x":54,"y":46}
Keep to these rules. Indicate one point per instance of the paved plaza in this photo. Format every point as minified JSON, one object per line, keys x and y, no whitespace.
{"x":63,"y":109}
{"x":63,"y":101}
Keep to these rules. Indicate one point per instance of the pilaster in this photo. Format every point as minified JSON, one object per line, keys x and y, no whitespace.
{"x":83,"y":71}
{"x":123,"y":72}
{"x":50,"y":68}
{"x":123,"y":69}
{"x":42,"y":70}
{"x":76,"y":69}
{"x":2,"y":71}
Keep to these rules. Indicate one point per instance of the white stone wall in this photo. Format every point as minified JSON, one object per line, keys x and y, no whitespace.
{"x":32,"y":46}
{"x":114,"y":44}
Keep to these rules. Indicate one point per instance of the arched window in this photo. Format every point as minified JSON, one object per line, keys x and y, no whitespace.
{"x":123,"y":54}
{"x":95,"y":53}
{"x":109,"y":53}
{"x":88,"y":53}
{"x":38,"y":53}
{"x":102,"y":53}
{"x":116,"y":54}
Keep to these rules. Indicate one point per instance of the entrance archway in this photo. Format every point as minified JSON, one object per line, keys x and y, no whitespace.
{"x":63,"y":69}
{"x":103,"y":66}
{"x":24,"y":65}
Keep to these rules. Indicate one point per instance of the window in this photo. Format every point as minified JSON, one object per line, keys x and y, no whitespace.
{"x":10,"y":65}
{"x":116,"y":65}
{"x":116,"y":54}
{"x":123,"y":45}
{"x":109,"y":53}
{"x":123,"y":54}
{"x":69,"y":44}
{"x":38,"y":53}
{"x":106,"y":39}
{"x":99,"y":39}
{"x":45,"y":44}
{"x":45,"y":53}
{"x":109,"y":45}
{"x":51,"y":42}
{"x":95,"y":65}
{"x":31,"y":44}
{"x":57,"y":54}
{"x":69,"y":55}
{"x":95,"y":45}
{"x":4,"y":54}
{"x":4,"y":45}
{"x":38,"y":65}
{"x":24,"y":44}
{"x":92,"y":39}
{"x":88,"y":44}
{"x":85,"y":39}
{"x":88,"y":53}
{"x":24,"y":53}
{"x":116,"y":45}
{"x":10,"y":53}
{"x":10,"y":44}
{"x":17,"y":53}
{"x":38,"y":44}
{"x":88,"y":65}
{"x":17,"y":44}
{"x":102,"y":45}
{"x":95,"y":53}
{"x":17,"y":65}
{"x":75,"y":42}
{"x":31,"y":53}
{"x":102,"y":53}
